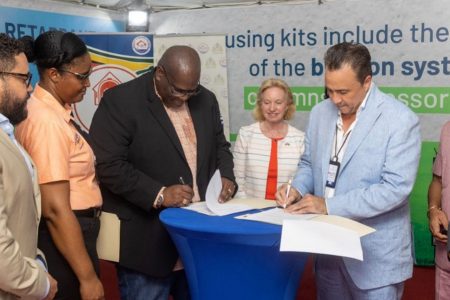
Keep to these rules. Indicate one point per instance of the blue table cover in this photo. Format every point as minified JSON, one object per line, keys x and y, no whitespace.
{"x":227,"y":258}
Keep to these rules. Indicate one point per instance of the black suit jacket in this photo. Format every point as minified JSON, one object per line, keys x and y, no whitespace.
{"x":138,"y":152}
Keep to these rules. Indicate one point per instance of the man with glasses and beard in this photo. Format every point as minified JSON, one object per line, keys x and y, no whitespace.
{"x":158,"y":140}
{"x":23,"y":273}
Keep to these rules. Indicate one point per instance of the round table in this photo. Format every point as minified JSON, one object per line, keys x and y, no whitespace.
{"x":228,"y":258}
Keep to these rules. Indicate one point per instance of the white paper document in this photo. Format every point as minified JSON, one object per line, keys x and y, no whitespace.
{"x":212,"y":206}
{"x":253,"y":203}
{"x":278,"y":215}
{"x":200,"y":207}
{"x":274,"y":216}
{"x":318,"y":237}
{"x":244,"y":203}
{"x":212,"y":198}
{"x":359,"y":228}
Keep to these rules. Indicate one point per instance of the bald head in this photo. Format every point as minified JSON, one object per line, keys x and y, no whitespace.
{"x":181,"y":60}
{"x":177,"y":76}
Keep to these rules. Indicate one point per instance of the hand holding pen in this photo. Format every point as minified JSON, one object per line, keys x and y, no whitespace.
{"x":308,"y":204}
{"x":186,"y":201}
{"x":178,"y":195}
{"x":286,"y":195}
{"x":293,"y":202}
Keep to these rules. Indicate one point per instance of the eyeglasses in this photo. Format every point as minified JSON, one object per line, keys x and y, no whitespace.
{"x":79,"y":76}
{"x":180,"y":92}
{"x":26,"y":77}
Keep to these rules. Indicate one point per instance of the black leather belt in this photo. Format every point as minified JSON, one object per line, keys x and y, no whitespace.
{"x":93,"y":212}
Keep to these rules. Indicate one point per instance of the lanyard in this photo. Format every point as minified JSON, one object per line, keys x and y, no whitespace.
{"x":336,"y":151}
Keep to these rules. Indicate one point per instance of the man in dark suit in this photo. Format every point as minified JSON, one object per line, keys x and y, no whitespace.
{"x":158,"y":139}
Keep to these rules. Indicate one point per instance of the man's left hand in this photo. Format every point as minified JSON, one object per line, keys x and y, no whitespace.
{"x":227,"y":192}
{"x":309,"y":204}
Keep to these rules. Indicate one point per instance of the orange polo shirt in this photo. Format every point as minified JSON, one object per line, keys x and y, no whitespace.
{"x":58,"y":150}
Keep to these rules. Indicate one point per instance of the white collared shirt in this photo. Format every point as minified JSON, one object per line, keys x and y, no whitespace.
{"x":8,"y":128}
{"x":341,"y":138}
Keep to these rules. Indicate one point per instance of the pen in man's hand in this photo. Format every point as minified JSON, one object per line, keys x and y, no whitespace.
{"x":181,"y":180}
{"x":287,"y":192}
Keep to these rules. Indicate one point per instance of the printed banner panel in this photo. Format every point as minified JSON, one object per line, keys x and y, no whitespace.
{"x":116,"y":58}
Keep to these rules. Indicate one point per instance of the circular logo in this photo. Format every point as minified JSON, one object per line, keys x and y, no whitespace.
{"x":103,"y":77}
{"x":203,"y":48}
{"x":141,"y":45}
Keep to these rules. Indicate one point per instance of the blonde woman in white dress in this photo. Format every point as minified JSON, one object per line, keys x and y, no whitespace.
{"x":266,"y":153}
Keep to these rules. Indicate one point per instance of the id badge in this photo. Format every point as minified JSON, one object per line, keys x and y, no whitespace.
{"x":333,"y":171}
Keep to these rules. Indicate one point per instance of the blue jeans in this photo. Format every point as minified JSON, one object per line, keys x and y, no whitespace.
{"x":134,"y":285}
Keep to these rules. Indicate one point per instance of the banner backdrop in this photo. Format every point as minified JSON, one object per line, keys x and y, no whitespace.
{"x":18,"y":22}
{"x":120,"y":57}
{"x":211,"y":49}
{"x":408,"y":40}
{"x":116,"y":58}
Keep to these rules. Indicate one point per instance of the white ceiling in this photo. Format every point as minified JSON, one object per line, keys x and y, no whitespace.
{"x":158,"y":5}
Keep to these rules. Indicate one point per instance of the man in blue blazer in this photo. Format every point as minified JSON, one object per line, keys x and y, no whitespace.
{"x":361,"y":156}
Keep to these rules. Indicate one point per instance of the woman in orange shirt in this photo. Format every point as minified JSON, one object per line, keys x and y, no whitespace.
{"x":71,"y":198}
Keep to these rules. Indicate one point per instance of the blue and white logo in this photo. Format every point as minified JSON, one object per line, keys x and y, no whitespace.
{"x":141,"y":45}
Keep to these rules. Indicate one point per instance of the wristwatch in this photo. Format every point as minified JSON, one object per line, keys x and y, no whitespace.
{"x":159,"y":201}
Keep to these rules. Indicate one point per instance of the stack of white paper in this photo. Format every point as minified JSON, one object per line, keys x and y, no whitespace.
{"x":278,"y":216}
{"x":274,"y":216}
{"x":212,"y":206}
{"x":317,"y":237}
{"x":313,"y":233}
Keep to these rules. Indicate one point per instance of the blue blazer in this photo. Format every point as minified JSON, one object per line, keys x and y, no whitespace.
{"x":377,"y":174}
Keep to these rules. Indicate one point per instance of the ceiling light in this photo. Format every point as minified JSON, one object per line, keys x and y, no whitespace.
{"x":137,"y":20}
